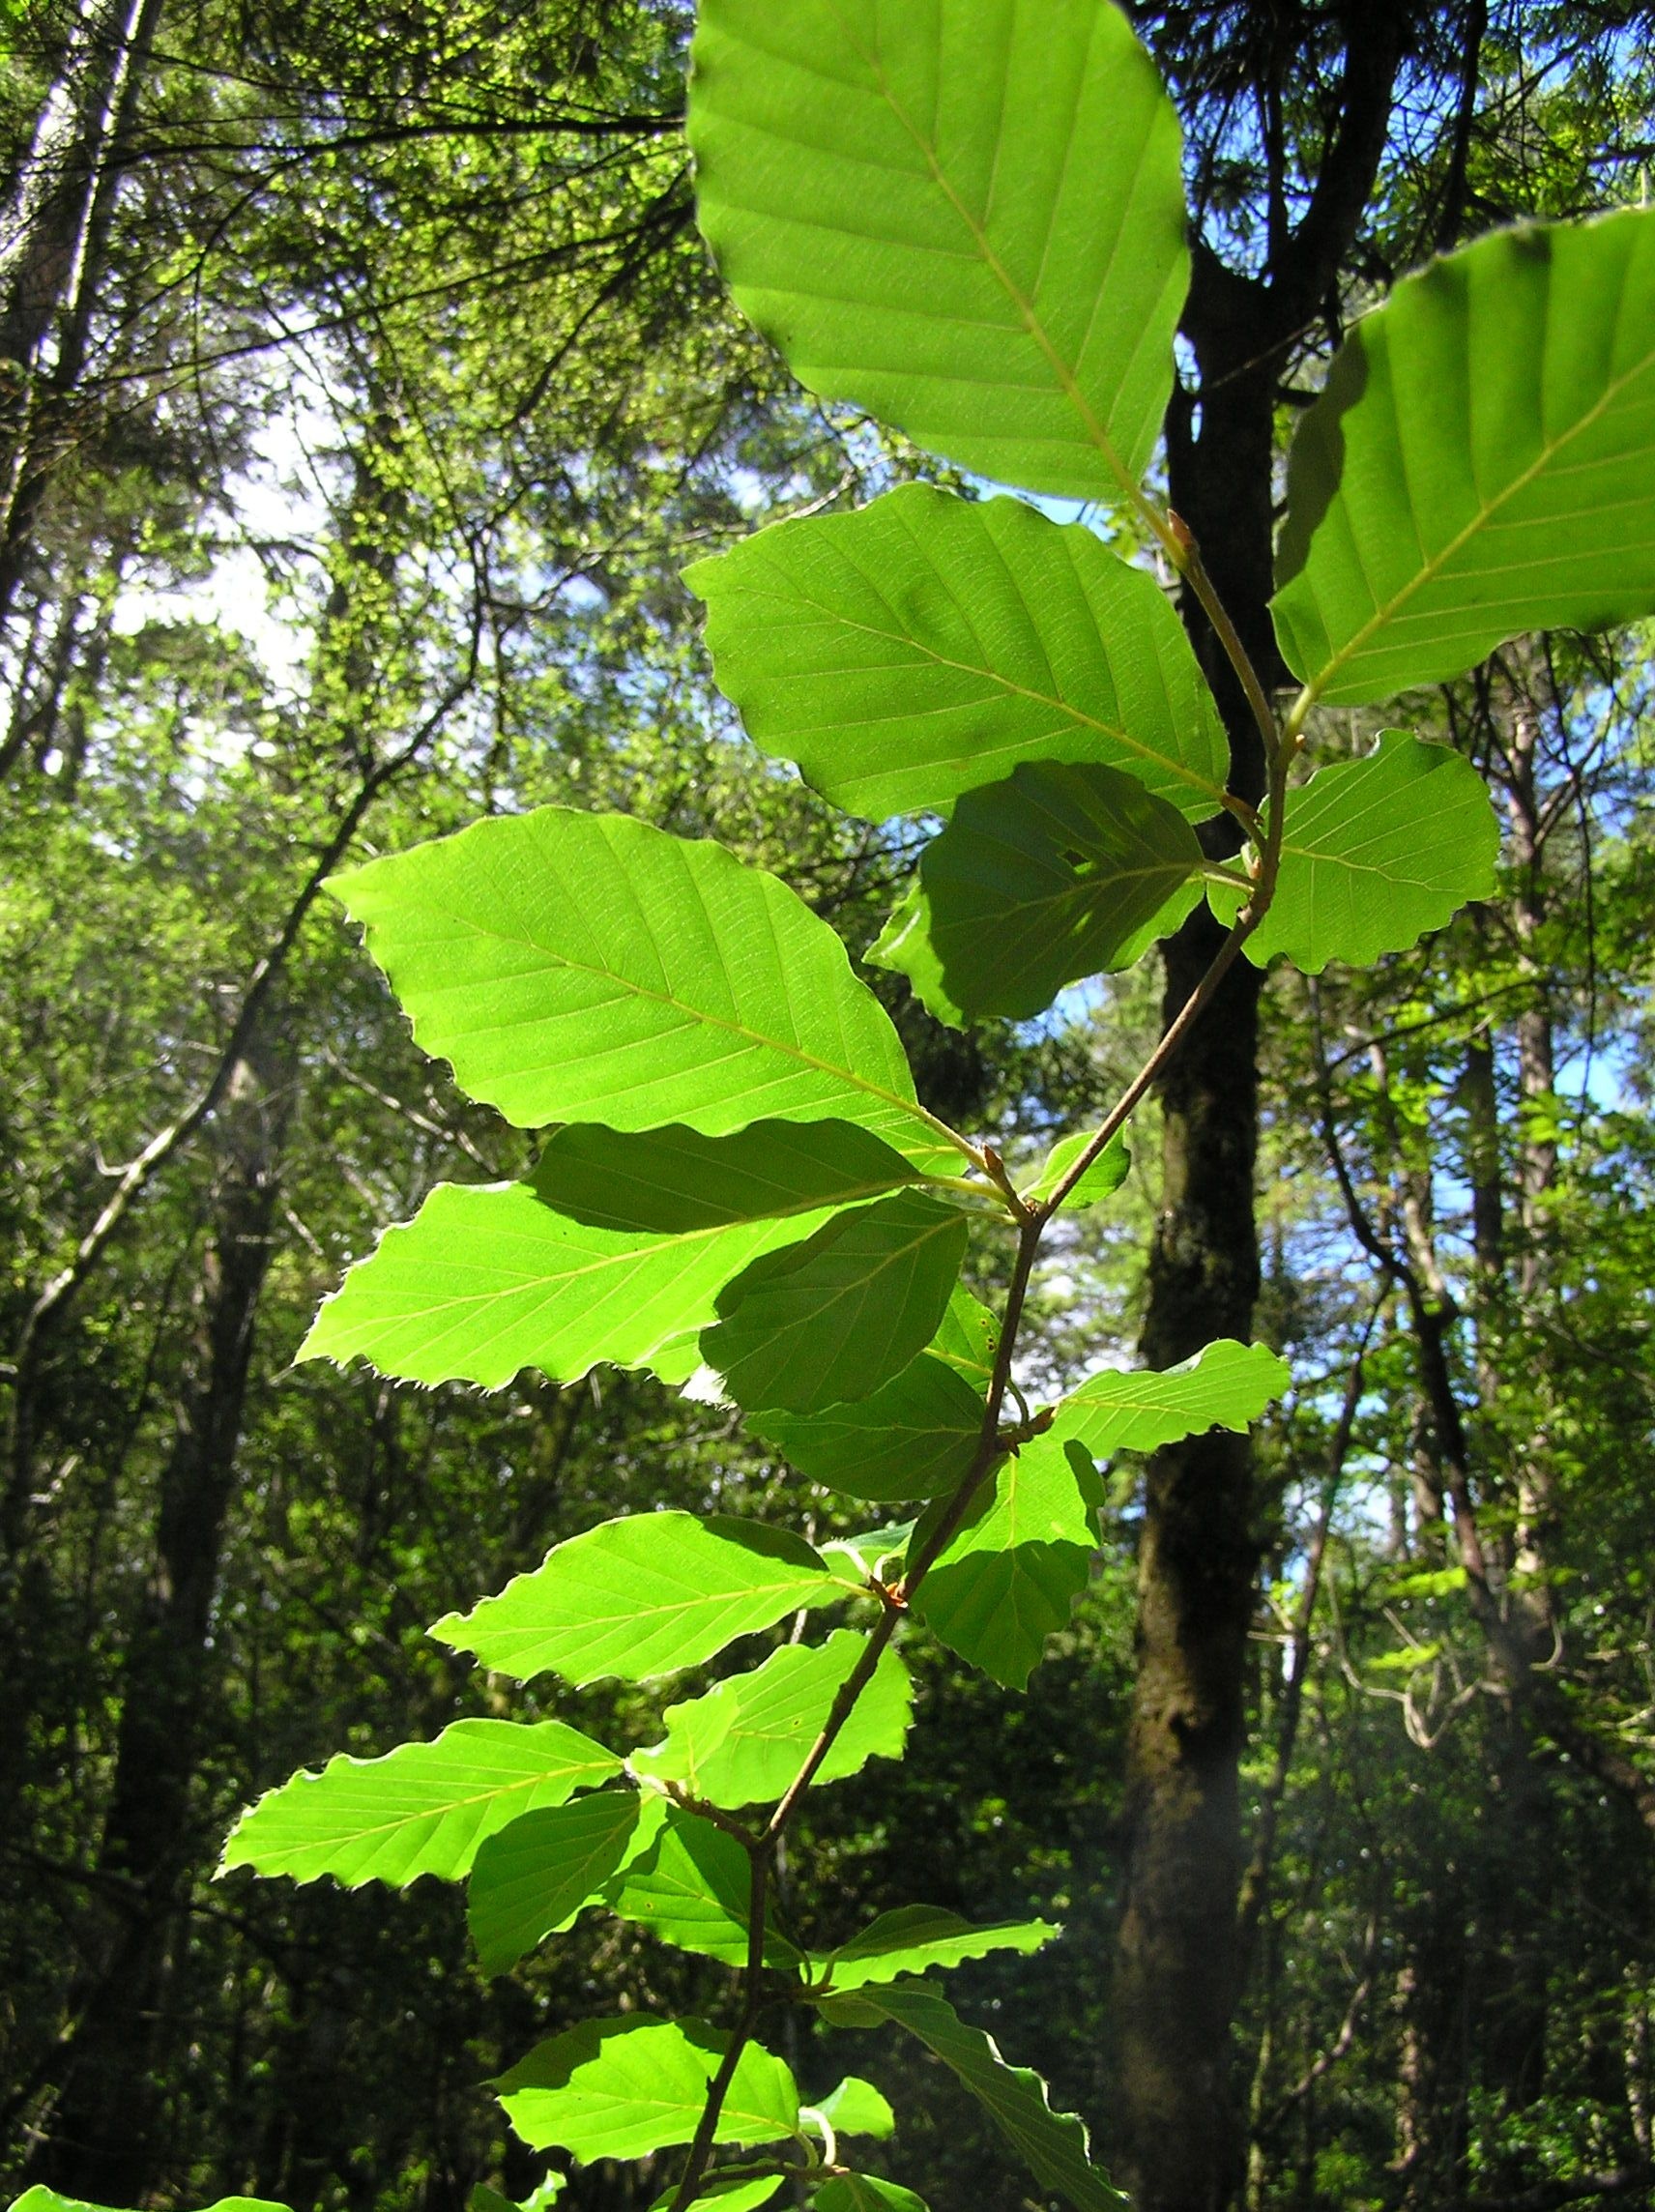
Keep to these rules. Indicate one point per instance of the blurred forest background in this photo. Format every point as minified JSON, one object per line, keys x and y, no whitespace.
{"x":364,"y":385}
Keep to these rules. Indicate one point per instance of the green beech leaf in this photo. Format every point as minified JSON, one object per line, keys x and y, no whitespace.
{"x":586,"y":967}
{"x":1054,"y":2144}
{"x":968,"y":1338}
{"x":917,"y":1938}
{"x":853,"y":2107}
{"x":1010,"y":1577}
{"x":1376,"y":853}
{"x":693,"y":1888}
{"x":41,"y":2199}
{"x":1481,"y":463}
{"x":641,"y":1597}
{"x":865,"y":2192}
{"x":876,"y":1550}
{"x":1225,"y":1386}
{"x":835,"y":1316}
{"x":967,"y":217}
{"x":904,"y":948}
{"x":532,"y":1880}
{"x":621,"y":2088}
{"x":916,"y":1436}
{"x":737,"y":2194}
{"x":921,"y":645}
{"x":743,"y":1742}
{"x":486,"y":1280}
{"x":1058,"y":873}
{"x":673,"y":1181}
{"x":424,"y":1808}
{"x":1101,"y":1180}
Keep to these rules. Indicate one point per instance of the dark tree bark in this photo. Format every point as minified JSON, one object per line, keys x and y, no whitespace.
{"x":101,"y":2141}
{"x":1179,"y":1952}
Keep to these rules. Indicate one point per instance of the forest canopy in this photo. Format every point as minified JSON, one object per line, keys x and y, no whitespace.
{"x":825,"y":924}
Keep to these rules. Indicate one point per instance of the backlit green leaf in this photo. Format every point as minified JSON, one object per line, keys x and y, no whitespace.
{"x":855,"y":2108}
{"x":833,"y":1318}
{"x":693,"y":1887}
{"x":729,"y":2194}
{"x":916,"y":1436}
{"x":41,"y":2199}
{"x":532,"y":1879}
{"x":904,"y":947}
{"x":745,"y":1741}
{"x":586,"y":967}
{"x":1058,"y":873}
{"x":621,"y":2088}
{"x":486,"y":1280}
{"x":1054,"y":2144}
{"x":921,"y":645}
{"x":642,"y":1597}
{"x":1225,"y":1385}
{"x":671,"y":1181}
{"x":1376,"y":852}
{"x":1481,"y":463}
{"x":424,"y":1808}
{"x":1011,"y":1575}
{"x":1101,"y":1180}
{"x":866,"y":2193}
{"x":968,"y":217}
{"x":914,"y":1939}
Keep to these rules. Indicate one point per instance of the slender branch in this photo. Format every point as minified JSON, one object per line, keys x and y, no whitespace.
{"x":701,"y":2149}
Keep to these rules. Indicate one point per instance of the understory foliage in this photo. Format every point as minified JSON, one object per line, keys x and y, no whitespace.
{"x":968,"y":219}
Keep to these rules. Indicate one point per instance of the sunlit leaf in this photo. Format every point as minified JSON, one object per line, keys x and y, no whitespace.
{"x":644,"y":1596}
{"x":671,"y":1181}
{"x":855,"y":2108}
{"x":833,"y":1318}
{"x":1058,"y":873}
{"x":866,"y":2193}
{"x":916,"y":1436}
{"x":745,"y":1741}
{"x":1376,"y":853}
{"x":580,"y":967}
{"x":1052,"y":2144}
{"x":530,"y":1879}
{"x":904,"y":654}
{"x":967,"y":216}
{"x":486,"y":1280}
{"x":1225,"y":1386}
{"x":693,"y":1887}
{"x":424,"y":1808}
{"x":1101,"y":1180}
{"x":917,"y":1938}
{"x":1010,"y":1577}
{"x":621,"y":2088}
{"x":1481,"y":463}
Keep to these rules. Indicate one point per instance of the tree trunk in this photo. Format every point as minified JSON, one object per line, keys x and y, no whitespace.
{"x":101,"y":2142}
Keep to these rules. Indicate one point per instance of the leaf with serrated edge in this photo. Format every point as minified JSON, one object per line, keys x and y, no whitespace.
{"x":485,"y":1281}
{"x":1010,"y":1577}
{"x":424,"y":1808}
{"x":830,"y":1319}
{"x":674,"y":1181}
{"x":621,"y":2088}
{"x":586,"y":967}
{"x":532,"y":1880}
{"x":1376,"y":853}
{"x":1054,"y":2144}
{"x":730,"y":2196}
{"x":1225,"y":1386}
{"x":745,"y":1741}
{"x":924,"y":645}
{"x":1024,"y":332}
{"x":913,"y":1939}
{"x":693,"y":1888}
{"x":1056,"y":874}
{"x":643,"y":1596}
{"x":1481,"y":463}
{"x":1101,"y":1180}
{"x":853,"y":2107}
